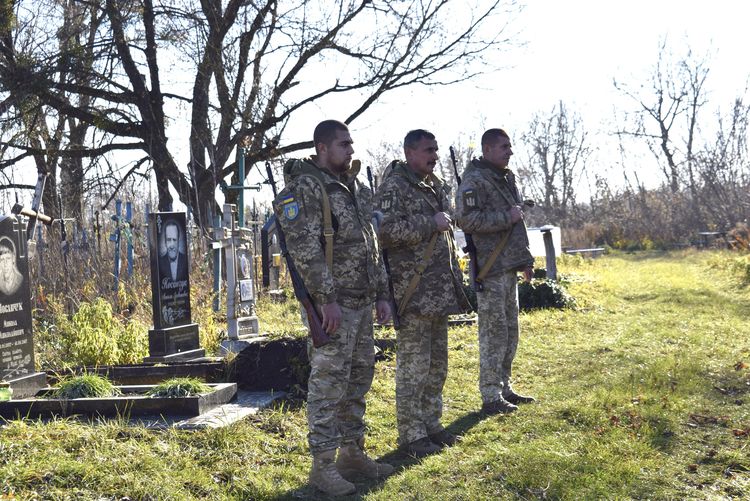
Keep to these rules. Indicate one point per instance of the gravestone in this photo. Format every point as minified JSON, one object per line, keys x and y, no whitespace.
{"x":242,"y":324}
{"x":17,"y":369}
{"x":174,"y":336}
{"x":270,"y":255}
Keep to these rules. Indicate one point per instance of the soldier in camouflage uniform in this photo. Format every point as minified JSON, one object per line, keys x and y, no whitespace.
{"x":488,"y":206}
{"x":342,"y":370}
{"x":415,"y":205}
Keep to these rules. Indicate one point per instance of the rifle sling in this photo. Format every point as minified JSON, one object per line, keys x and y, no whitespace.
{"x":327,"y":222}
{"x":493,"y":257}
{"x":503,"y":241}
{"x":418,"y":275}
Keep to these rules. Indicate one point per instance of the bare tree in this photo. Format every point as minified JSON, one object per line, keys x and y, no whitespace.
{"x":557,"y":150}
{"x":40,"y":73}
{"x":380,"y":158}
{"x":248,"y":61}
{"x":724,"y":167}
{"x":668,"y":114}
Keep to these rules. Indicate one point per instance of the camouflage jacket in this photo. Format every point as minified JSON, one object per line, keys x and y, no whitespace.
{"x":408,"y":205}
{"x":484,"y":198}
{"x":358,"y":277}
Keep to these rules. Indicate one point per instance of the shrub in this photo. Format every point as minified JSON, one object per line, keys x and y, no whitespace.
{"x":211,"y":331}
{"x":739,"y":237}
{"x":96,"y":336}
{"x":737,"y":266}
{"x":543,"y":293}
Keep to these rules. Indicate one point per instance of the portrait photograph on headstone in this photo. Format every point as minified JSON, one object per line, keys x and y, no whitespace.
{"x":245,"y":274}
{"x":11,"y":278}
{"x":16,"y":345}
{"x":246,"y":290}
{"x":244,"y":260}
{"x":169,"y":269}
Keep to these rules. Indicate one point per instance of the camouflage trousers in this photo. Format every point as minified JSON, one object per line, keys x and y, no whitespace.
{"x":421,"y":369}
{"x":498,"y":334}
{"x":341,"y":374}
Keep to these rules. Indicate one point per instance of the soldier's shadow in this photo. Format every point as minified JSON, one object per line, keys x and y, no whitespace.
{"x":398,"y":458}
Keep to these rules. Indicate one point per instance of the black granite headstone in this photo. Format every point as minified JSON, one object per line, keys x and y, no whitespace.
{"x":16,"y":340}
{"x":174,"y":335}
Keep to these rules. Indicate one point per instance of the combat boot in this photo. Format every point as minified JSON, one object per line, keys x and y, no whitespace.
{"x":501,"y":406}
{"x":422,"y":447}
{"x":326,"y":477}
{"x":443,"y":438}
{"x":352,"y":460}
{"x":515,"y":399}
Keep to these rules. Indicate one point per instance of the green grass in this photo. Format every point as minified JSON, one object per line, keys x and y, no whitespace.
{"x":643,"y":392}
{"x":179,"y":387}
{"x":85,"y":386}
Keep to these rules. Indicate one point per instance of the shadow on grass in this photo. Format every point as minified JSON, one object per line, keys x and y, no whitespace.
{"x":398,"y":458}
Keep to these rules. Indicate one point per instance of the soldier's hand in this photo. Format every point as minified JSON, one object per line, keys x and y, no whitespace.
{"x":331,"y":317}
{"x":516,"y":214}
{"x":383,"y":311}
{"x":443,"y":221}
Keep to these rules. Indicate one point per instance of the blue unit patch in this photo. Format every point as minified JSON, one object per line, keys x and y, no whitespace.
{"x":291,"y":208}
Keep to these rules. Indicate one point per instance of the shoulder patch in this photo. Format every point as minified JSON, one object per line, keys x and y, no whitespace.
{"x":470,"y":197}
{"x":386,"y":201}
{"x":290,"y":207}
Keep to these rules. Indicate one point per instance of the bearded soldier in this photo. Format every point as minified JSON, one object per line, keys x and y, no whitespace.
{"x":416,"y":232}
{"x":488,"y":206}
{"x":325,"y":214}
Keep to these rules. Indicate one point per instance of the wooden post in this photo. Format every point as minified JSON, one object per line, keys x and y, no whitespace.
{"x":129,"y":221}
{"x":217,"y":246}
{"x":115,"y":237}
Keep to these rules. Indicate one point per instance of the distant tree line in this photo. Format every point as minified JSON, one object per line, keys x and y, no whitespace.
{"x":701,"y":161}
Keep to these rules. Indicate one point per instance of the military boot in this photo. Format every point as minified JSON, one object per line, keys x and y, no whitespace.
{"x":422,"y":447}
{"x":352,"y":460}
{"x":500,"y":406}
{"x":326,"y":477}
{"x":515,"y":399}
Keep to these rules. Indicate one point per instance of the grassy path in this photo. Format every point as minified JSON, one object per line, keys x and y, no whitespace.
{"x":644,"y":392}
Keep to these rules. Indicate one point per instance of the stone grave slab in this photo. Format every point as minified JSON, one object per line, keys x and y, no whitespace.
{"x":246,"y":404}
{"x":132,"y":402}
{"x":17,"y":369}
{"x":174,"y":337}
{"x":206,"y":369}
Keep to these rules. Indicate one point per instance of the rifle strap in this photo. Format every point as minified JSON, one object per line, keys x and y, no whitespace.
{"x":327,"y":222}
{"x":418,"y":275}
{"x":493,"y":257}
{"x":503,"y":241}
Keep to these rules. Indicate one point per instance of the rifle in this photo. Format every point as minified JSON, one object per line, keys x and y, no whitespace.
{"x":469,"y":248}
{"x":377,"y":217}
{"x":318,"y":335}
